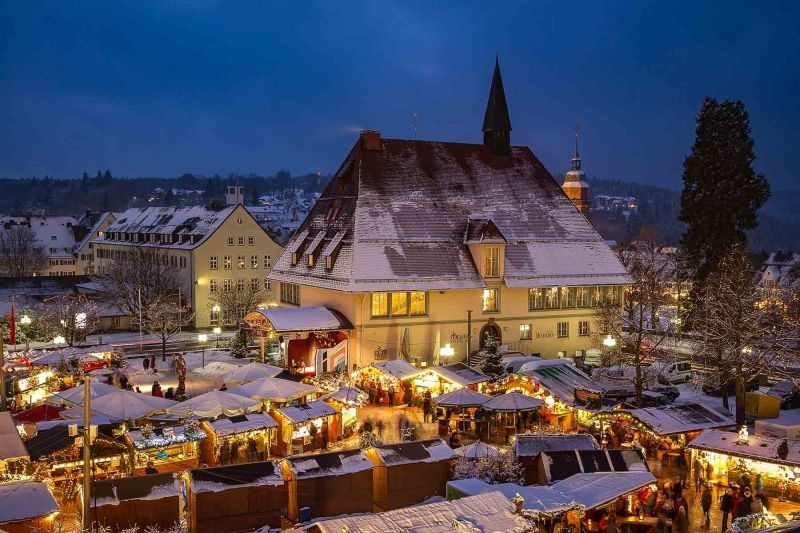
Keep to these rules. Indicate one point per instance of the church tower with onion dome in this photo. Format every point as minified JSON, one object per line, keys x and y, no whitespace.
{"x":575,"y":185}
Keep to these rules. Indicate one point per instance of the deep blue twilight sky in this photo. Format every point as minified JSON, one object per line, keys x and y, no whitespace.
{"x":164,"y":87}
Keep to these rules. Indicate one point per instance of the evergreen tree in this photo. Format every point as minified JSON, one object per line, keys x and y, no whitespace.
{"x":721,"y":191}
{"x":492,"y":360}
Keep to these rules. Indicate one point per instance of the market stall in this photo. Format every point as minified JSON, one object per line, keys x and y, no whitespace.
{"x":237,"y":438}
{"x":305,"y":427}
{"x":213,"y":404}
{"x":12,"y":450}
{"x":168,"y":448}
{"x":436,"y":380}
{"x":275,"y":391}
{"x":386,"y":381}
{"x":250,"y":372}
{"x":510,"y":414}
{"x":346,"y":400}
{"x":122,"y":405}
{"x":74,"y":396}
{"x":141,"y":502}
{"x":464,"y":403}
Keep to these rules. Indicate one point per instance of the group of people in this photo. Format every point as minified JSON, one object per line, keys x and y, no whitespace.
{"x":742,"y":498}
{"x":235,"y":450}
{"x":388,"y":394}
{"x":156,"y":391}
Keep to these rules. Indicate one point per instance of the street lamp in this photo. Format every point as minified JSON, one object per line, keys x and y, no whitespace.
{"x":202,"y":338}
{"x":609,"y":341}
{"x":217,"y":332}
{"x":447,"y":351}
{"x":26,"y":321}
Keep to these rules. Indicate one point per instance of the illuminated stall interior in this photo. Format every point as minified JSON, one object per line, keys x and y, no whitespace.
{"x":305,"y":427}
{"x":259,"y":427}
{"x":438,"y":380}
{"x":346,"y":400}
{"x":170,"y":448}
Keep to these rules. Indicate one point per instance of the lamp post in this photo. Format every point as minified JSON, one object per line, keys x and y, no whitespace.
{"x":217,"y":332}
{"x":26,"y":321}
{"x":202,"y":338}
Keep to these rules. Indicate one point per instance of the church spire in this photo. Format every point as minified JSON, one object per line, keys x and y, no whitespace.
{"x":496,"y":122}
{"x":576,"y":160}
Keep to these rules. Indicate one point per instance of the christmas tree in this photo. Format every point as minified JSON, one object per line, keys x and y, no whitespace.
{"x":492,"y":360}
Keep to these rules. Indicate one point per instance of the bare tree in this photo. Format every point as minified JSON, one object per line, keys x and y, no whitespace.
{"x":21,"y":253}
{"x":72,"y":316}
{"x":164,"y":318}
{"x":235,"y":303}
{"x":742,"y":336}
{"x":637,"y":320}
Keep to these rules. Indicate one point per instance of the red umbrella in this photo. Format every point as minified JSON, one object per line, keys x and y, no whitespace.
{"x":40,"y":413}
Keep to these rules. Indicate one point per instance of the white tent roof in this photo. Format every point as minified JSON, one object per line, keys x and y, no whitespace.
{"x":74,"y":396}
{"x":213,"y":404}
{"x":250,"y":372}
{"x":397,"y":368}
{"x":348,"y":395}
{"x":307,"y":411}
{"x":478,"y":450}
{"x":123,"y":405}
{"x":280,"y":390}
{"x":11,"y":446}
{"x":511,"y":402}
{"x":462,"y":397}
{"x":286,"y":319}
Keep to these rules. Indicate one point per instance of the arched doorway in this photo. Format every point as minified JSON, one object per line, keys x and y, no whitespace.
{"x":490,"y":329}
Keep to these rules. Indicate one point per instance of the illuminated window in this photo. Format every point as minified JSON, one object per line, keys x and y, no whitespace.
{"x":568,"y":296}
{"x":253,"y":261}
{"x":583,"y":328}
{"x":491,"y":262}
{"x":524,"y":332}
{"x":226,"y":262}
{"x":240,"y":262}
{"x":399,"y":304}
{"x":267,"y":261}
{"x":380,"y":304}
{"x":597,"y":296}
{"x":227,"y":285}
{"x":230,"y":241}
{"x":490,"y":300}
{"x":582,"y":296}
{"x":535,"y":299}
{"x":419,"y":303}
{"x":562,"y":330}
{"x":551,"y":298}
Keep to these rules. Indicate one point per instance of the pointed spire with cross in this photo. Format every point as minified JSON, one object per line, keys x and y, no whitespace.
{"x":496,"y":121}
{"x":576,"y":160}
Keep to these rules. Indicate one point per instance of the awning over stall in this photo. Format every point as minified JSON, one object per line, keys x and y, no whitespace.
{"x":562,"y":379}
{"x":123,"y":405}
{"x":275,"y":389}
{"x":460,"y":374}
{"x":307,"y":411}
{"x":242,"y":424}
{"x":676,"y":419}
{"x":213,"y":404}
{"x":293,"y":319}
{"x":397,"y":368}
{"x":250,"y":372}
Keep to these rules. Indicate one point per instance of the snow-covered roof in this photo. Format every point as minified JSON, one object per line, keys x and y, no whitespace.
{"x":242,"y":423}
{"x":75,"y":395}
{"x":477,"y":450}
{"x":513,"y":402}
{"x":460,"y":373}
{"x":397,"y":368}
{"x":123,"y":405}
{"x":164,"y":435}
{"x":462,"y":397}
{"x":758,"y":447}
{"x":347,"y":395}
{"x":562,"y":379}
{"x":275,"y":389}
{"x":92,"y":231}
{"x":261,"y":473}
{"x":682,"y":418}
{"x":11,"y":446}
{"x":418,"y":451}
{"x":250,"y":372}
{"x":25,"y":500}
{"x":405,"y":209}
{"x":287,"y":319}
{"x":587,"y":490}
{"x":485,"y":513}
{"x":307,"y":411}
{"x":213,"y":404}
{"x":55,"y":234}
{"x":152,"y":487}
{"x":531,"y":444}
{"x":188,"y":226}
{"x":559,"y":465}
{"x":329,"y":464}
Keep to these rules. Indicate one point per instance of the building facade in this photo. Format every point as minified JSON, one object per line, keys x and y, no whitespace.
{"x":214,"y":251}
{"x":421,"y":244}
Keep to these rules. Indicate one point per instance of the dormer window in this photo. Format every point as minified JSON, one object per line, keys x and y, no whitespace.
{"x":491,"y":262}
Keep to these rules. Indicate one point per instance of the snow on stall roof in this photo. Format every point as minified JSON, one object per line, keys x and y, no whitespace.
{"x":307,"y":411}
{"x":276,"y":389}
{"x":11,"y":445}
{"x":287,"y":319}
{"x":347,"y":395}
{"x":221,"y":478}
{"x":250,"y":372}
{"x":214,"y":403}
{"x":513,"y":402}
{"x":461,"y":374}
{"x":25,"y":500}
{"x":758,"y":447}
{"x":242,"y":424}
{"x":462,"y":397}
{"x":329,"y":464}
{"x":405,"y":211}
{"x":559,"y":465}
{"x":75,"y":395}
{"x":150,"y":487}
{"x":683,"y":418}
{"x":486,"y":513}
{"x":562,"y":380}
{"x":477,"y":450}
{"x":123,"y":405}
{"x":397,"y":368}
{"x":419,"y":451}
{"x":531,"y":445}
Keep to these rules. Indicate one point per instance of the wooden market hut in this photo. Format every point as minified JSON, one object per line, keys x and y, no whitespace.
{"x":438,"y":380}
{"x":408,"y":473}
{"x":26,"y":506}
{"x":231,"y":498}
{"x":328,"y":484}
{"x":12,"y":449}
{"x":529,"y":446}
{"x":555,"y":466}
{"x":259,"y":426}
{"x":170,"y":448}
{"x":141,"y":501}
{"x":305,"y":427}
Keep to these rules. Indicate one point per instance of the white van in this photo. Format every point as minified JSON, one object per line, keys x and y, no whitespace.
{"x":673,"y":371}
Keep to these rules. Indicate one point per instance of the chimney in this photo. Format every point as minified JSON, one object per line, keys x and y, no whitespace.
{"x":371,"y":140}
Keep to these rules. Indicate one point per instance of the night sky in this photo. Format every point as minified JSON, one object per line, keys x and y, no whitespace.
{"x":166,"y":87}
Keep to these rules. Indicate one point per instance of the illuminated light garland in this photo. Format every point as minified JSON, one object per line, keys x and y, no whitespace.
{"x":161,"y":441}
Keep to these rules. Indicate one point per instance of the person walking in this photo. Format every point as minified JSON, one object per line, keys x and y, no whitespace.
{"x":153,"y":364}
{"x":680,"y":523}
{"x":705,"y":502}
{"x":156,"y":390}
{"x":224,"y":453}
{"x":146,"y":364}
{"x":427,"y":408}
{"x":726,"y":505}
{"x":391,"y":394}
{"x":252,"y":451}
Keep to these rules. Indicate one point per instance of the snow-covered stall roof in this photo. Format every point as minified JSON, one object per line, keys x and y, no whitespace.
{"x":758,"y":447}
{"x":75,"y":395}
{"x":680,"y":418}
{"x":275,"y":389}
{"x":561,"y":378}
{"x":512,"y":402}
{"x":418,"y":451}
{"x":461,"y":374}
{"x":406,"y":206}
{"x":462,"y":397}
{"x":786,"y":426}
{"x":329,"y":464}
{"x":250,"y":372}
{"x":532,"y":444}
{"x":236,"y":476}
{"x":123,"y":405}
{"x":307,"y":411}
{"x":11,"y":446}
{"x":477,"y":450}
{"x":289,"y":319}
{"x":213,"y":404}
{"x":164,"y":436}
{"x":242,"y":424}
{"x":25,"y":500}
{"x":485,"y":513}
{"x":587,"y":490}
{"x":152,"y":487}
{"x":397,"y":368}
{"x":347,"y":395}
{"x":560,"y":465}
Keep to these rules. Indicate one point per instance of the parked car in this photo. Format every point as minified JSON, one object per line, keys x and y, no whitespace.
{"x":670,"y":392}
{"x":90,"y":362}
{"x":673,"y":371}
{"x":788,"y":392}
{"x":713,"y":388}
